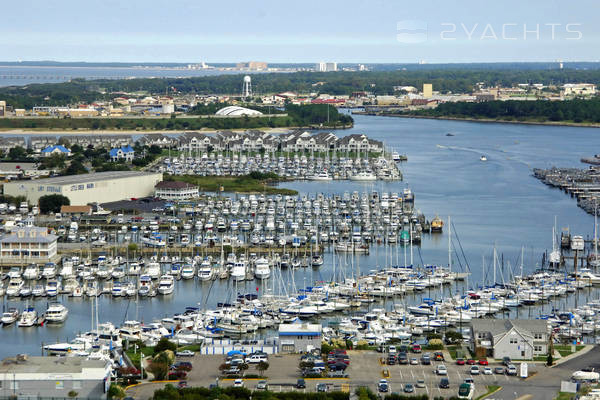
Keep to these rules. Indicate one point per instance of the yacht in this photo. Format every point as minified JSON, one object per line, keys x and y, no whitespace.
{"x":238,"y":272}
{"x":49,"y":271}
{"x":52,"y":287}
{"x":28,"y":317}
{"x":32,"y":272}
{"x":145,"y":285}
{"x":396,"y":156}
{"x":188,"y":271}
{"x":38,"y":291}
{"x":261,"y":268}
{"x":205,"y":272}
{"x":577,"y":243}
{"x":131,"y":331}
{"x":166,"y":285}
{"x":321,"y":176}
{"x":483,"y":158}
{"x":14,"y":287}
{"x":153,"y":270}
{"x":56,"y":312}
{"x":10,"y":316}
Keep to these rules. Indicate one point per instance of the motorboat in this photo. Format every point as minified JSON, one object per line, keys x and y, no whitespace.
{"x":321,"y":176}
{"x":188,"y":271}
{"x":238,"y":272}
{"x":14,"y":287}
{"x":49,"y":271}
{"x":56,"y":313}
{"x":261,"y":268}
{"x":32,"y":272}
{"x":483,"y":158}
{"x":166,"y":284}
{"x":28,"y":317}
{"x":9,"y":317}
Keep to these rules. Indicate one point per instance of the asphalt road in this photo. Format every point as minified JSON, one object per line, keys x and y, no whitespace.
{"x":546,"y":383}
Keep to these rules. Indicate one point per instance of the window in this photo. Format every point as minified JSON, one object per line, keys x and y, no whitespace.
{"x":513,"y":341}
{"x":81,"y":187}
{"x":90,"y":185}
{"x":14,"y":385}
{"x":60,"y":385}
{"x":76,"y":384}
{"x":537,"y":349}
{"x":73,"y":188}
{"x":40,"y":188}
{"x":538,"y":336}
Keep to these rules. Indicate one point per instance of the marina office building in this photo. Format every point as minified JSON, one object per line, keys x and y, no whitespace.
{"x":100,"y":187}
{"x":54,"y":377}
{"x":299,"y":338}
{"x":519,"y":339}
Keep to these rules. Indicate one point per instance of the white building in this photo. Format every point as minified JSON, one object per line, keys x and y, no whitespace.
{"x":326,"y":66}
{"x":28,"y":244}
{"x":175,"y":190}
{"x":579,"y":89}
{"x":299,"y":338}
{"x":54,"y":377}
{"x":98,"y":187}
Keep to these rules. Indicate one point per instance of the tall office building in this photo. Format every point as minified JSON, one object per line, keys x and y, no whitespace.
{"x":326,"y":66}
{"x":427,"y":90}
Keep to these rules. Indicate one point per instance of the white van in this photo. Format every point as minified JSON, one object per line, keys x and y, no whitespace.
{"x":57,"y":217}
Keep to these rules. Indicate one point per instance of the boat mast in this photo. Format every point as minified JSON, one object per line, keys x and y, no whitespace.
{"x":449,"y":245}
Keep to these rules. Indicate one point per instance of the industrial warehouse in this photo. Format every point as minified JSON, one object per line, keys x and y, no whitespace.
{"x":100,"y":187}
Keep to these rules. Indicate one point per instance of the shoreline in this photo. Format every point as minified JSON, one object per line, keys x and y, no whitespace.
{"x":59,"y":132}
{"x":487,"y":120}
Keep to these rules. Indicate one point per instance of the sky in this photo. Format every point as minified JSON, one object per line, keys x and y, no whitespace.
{"x":280,"y":31}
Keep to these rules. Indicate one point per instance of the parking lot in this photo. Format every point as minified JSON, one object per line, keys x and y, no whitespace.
{"x":365,"y":369}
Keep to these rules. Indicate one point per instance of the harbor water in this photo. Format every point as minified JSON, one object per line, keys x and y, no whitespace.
{"x":491,"y":203}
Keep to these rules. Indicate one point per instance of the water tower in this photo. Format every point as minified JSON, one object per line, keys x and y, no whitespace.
{"x":247,"y":88}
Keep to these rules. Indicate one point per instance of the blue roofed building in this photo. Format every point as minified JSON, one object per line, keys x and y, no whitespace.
{"x":56,"y":149}
{"x":122,"y":153}
{"x":299,"y":338}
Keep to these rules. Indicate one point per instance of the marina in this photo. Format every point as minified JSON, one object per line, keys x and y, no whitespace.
{"x":504,"y":163}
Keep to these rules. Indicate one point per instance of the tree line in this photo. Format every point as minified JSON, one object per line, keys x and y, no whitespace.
{"x":578,"y":111}
{"x":445,"y":80}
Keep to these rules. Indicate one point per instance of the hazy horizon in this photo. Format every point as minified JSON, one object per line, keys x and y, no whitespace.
{"x":349,"y":31}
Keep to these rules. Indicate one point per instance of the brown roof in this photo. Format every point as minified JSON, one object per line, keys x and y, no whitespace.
{"x":174,"y":185}
{"x":75,"y":209}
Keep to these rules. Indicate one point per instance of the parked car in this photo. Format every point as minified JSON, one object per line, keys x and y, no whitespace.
{"x":474,"y":370}
{"x":185,"y":353}
{"x":300,"y":384}
{"x":238,"y":383}
{"x":232,"y":371}
{"x":262,"y":385}
{"x":420,"y":383}
{"x":409,"y":388}
{"x":426,"y":359}
{"x":470,"y":361}
{"x":257,"y":358}
{"x":182,"y":366}
{"x":177,"y":375}
{"x":414,"y":361}
{"x":383,"y":386}
{"x":337,"y":374}
{"x":438,"y":356}
{"x":402,"y":358}
{"x":322,"y":387}
{"x":441,"y":370}
{"x":444,"y":383}
{"x":499,"y":370}
{"x":483,"y":361}
{"x":416,"y":348}
{"x":506,"y":361}
{"x":182,"y":384}
{"x":487,"y":371}
{"x":460,"y":361}
{"x":511,"y":370}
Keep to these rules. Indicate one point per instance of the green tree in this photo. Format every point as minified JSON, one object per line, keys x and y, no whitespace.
{"x":17,"y":153}
{"x":262,"y":367}
{"x":164,"y":344}
{"x":75,"y":168}
{"x":51,"y":203}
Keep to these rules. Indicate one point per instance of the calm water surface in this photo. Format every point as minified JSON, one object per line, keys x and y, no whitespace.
{"x":497,"y":202}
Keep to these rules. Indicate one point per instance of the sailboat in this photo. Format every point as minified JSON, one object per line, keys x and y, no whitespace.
{"x":554,"y":257}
